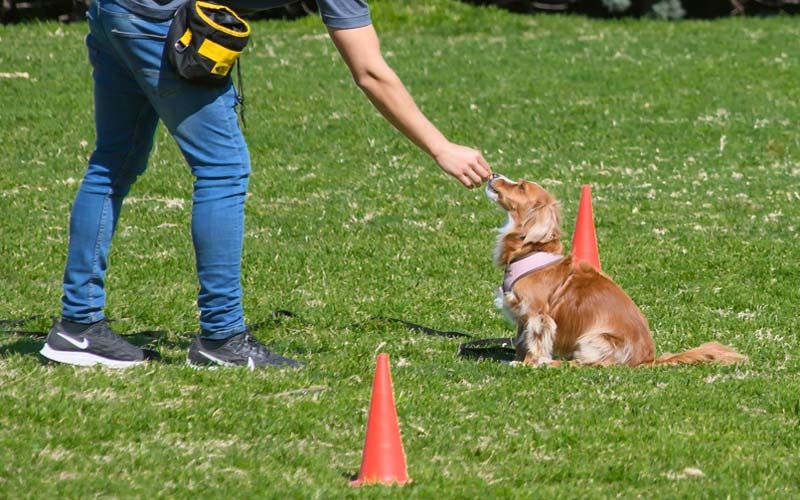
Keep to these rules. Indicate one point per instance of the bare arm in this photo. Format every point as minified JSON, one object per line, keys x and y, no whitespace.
{"x":360,"y":50}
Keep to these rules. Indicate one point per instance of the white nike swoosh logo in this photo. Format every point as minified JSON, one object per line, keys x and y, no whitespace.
{"x":251,"y":364}
{"x":215,"y":359}
{"x":80,"y":345}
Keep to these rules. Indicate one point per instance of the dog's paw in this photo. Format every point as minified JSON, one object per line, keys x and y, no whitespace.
{"x":503,"y":300}
{"x":499,"y":301}
{"x":511,"y":301}
{"x":539,"y":361}
{"x":507,"y":303}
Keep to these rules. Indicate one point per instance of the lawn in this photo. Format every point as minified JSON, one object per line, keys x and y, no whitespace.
{"x":688,"y":135}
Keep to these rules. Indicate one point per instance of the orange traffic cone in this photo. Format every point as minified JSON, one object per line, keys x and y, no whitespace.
{"x":584,"y":240}
{"x":383,"y":460}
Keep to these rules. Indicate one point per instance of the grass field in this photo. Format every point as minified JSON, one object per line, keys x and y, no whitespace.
{"x":689,"y":134}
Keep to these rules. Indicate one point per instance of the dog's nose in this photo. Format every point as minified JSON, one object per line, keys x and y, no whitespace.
{"x":494,"y":176}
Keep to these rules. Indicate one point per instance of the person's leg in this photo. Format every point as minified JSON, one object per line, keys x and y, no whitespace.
{"x":203,"y":121}
{"x":214,"y":147}
{"x":212,"y":143}
{"x":125,"y":123}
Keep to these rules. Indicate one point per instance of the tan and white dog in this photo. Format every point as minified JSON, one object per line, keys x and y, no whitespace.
{"x":564,"y":311}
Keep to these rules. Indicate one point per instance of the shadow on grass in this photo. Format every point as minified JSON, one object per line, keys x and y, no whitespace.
{"x":350,"y":476}
{"x":25,"y":342}
{"x":29,"y":342}
{"x":22,"y":346}
{"x":495,"y":349}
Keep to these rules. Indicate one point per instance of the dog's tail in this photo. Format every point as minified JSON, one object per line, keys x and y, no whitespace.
{"x":710,"y":352}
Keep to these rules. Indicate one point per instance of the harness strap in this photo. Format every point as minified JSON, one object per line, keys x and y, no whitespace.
{"x":520,"y":268}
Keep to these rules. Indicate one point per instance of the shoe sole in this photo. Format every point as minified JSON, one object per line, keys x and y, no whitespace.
{"x":84,"y":358}
{"x":214,"y":365}
{"x":213,"y":361}
{"x":198,"y":366}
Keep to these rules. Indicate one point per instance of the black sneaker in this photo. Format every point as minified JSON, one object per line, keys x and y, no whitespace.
{"x":240,"y":350}
{"x":97,"y":345}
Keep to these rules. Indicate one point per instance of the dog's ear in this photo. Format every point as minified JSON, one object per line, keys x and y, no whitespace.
{"x":542,"y":223}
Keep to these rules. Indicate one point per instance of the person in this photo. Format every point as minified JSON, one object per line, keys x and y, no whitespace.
{"x":135,"y":87}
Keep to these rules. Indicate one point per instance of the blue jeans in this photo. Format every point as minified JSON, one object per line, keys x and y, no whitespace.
{"x":134,"y":86}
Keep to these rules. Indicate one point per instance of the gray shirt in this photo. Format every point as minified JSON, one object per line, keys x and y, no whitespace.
{"x":342,"y":14}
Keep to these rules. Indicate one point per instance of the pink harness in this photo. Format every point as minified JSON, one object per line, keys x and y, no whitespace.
{"x":527,"y":265}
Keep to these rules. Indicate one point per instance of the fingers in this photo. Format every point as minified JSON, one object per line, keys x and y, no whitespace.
{"x":475,"y":172}
{"x":474,"y":177}
{"x":479,"y":167}
{"x":484,"y":170}
{"x":470,"y":179}
{"x":466,"y":181}
{"x":467,"y":165}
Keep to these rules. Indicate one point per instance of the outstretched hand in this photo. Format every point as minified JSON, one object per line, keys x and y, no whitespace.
{"x":467,"y":165}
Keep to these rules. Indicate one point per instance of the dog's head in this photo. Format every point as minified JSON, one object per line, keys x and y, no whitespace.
{"x":534,"y":218}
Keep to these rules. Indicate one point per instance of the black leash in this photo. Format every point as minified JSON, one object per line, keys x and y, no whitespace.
{"x":424,"y":329}
{"x":240,"y":91}
{"x":7,"y":325}
{"x":497,"y":348}
{"x":12,"y":327}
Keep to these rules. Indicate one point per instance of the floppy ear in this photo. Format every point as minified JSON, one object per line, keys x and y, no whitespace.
{"x":542,"y":223}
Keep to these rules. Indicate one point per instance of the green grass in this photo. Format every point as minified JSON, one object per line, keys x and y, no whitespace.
{"x":688,"y":134}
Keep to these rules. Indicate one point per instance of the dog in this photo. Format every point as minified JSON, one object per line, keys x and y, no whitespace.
{"x":565,"y":310}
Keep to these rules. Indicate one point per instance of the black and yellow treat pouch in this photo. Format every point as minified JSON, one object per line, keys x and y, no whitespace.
{"x":205,"y":41}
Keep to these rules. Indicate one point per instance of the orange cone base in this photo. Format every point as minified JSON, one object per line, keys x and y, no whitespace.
{"x":383,"y":460}
{"x":584,"y":239}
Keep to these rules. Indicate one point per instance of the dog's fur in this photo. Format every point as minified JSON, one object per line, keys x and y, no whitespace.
{"x":566,"y":311}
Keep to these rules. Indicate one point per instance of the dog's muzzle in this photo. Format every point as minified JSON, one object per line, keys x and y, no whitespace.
{"x":491,"y":192}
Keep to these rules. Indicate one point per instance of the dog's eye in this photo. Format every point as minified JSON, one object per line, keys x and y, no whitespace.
{"x":521,"y":186}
